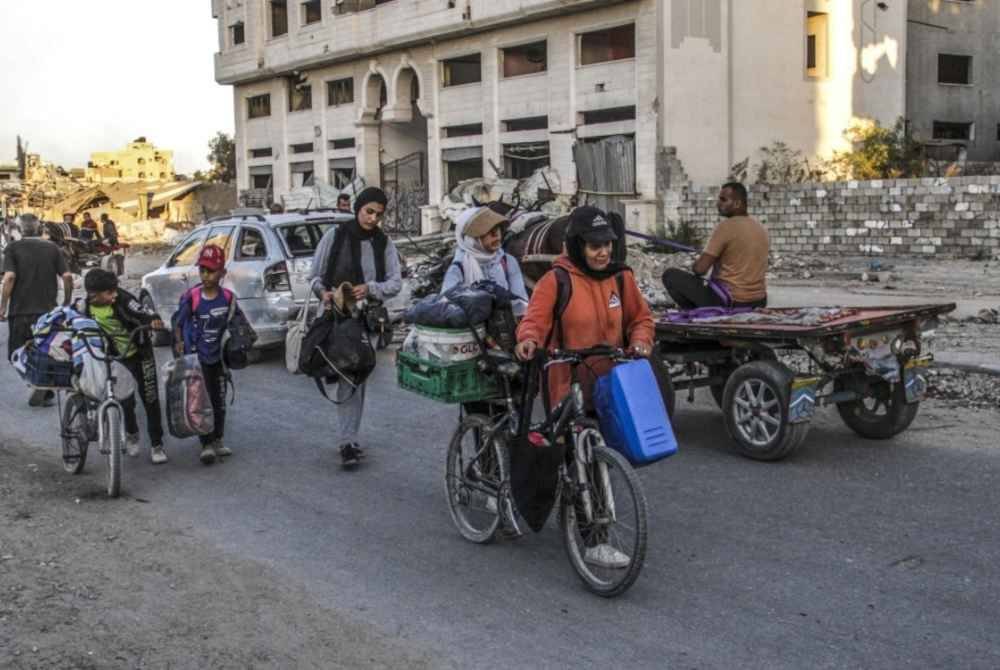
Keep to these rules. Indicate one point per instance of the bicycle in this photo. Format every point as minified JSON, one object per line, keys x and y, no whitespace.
{"x":83,"y":420}
{"x":600,"y":498}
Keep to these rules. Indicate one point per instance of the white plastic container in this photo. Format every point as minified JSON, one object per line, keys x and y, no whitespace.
{"x":445,"y":345}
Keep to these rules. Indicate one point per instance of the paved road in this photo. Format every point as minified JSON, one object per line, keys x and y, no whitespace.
{"x":852,"y":554}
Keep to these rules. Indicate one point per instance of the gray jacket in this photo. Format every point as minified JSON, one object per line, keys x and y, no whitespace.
{"x":379,"y":290}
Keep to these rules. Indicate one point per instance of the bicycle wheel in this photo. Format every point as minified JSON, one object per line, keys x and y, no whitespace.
{"x":473,"y":478}
{"x":113,"y":445}
{"x":75,"y":434}
{"x":608,"y":550}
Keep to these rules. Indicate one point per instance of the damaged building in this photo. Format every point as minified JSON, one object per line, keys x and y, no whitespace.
{"x":139,"y":161}
{"x":618,"y":98}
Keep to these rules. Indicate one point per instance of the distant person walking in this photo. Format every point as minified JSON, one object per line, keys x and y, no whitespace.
{"x":31,"y":269}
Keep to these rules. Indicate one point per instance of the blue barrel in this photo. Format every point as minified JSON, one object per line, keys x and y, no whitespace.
{"x":633,"y":418}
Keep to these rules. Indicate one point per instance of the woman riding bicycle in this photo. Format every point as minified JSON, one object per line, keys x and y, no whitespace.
{"x":602,"y":304}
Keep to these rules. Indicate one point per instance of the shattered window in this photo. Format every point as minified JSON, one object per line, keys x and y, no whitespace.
{"x":340,"y":92}
{"x":259,"y":106}
{"x":462,"y":70}
{"x":312,"y":12}
{"x":521,"y":160}
{"x":525,"y":59}
{"x":279,"y":18}
{"x":300,"y":98}
{"x":612,"y":44}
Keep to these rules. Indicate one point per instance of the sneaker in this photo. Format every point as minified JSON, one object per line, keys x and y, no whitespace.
{"x":132,"y":444}
{"x":157,"y":455}
{"x":350,"y":455}
{"x":221,"y":449}
{"x":606,"y":556}
{"x":207,"y":454}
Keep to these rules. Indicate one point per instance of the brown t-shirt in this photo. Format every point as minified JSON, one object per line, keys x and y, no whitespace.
{"x":740,"y":245}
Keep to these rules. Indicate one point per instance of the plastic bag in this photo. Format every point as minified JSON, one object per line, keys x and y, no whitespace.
{"x":93,"y":377}
{"x":189,"y":407}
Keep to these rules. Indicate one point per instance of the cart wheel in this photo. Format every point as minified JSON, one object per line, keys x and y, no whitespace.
{"x":666,"y":383}
{"x":755,"y":405}
{"x":883,"y":411}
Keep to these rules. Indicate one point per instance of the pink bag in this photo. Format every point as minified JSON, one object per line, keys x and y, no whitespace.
{"x":189,"y":407}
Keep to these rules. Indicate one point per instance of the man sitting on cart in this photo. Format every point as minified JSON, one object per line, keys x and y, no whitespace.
{"x":737,"y":255}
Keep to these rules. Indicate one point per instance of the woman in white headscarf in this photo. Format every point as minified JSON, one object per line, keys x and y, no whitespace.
{"x":479,"y":256}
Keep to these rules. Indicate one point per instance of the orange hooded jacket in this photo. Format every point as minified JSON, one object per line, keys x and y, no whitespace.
{"x":594,"y":316}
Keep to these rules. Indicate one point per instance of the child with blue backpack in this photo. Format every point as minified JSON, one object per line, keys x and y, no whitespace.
{"x":203,"y":317}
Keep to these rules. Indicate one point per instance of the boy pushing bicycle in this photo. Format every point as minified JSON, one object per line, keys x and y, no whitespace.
{"x":119,"y":313}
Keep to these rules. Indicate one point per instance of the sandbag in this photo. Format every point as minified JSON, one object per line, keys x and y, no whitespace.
{"x":189,"y":406}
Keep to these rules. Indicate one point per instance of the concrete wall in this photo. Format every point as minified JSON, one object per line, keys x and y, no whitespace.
{"x":960,"y":28}
{"x":734,"y":77}
{"x":958,"y":217}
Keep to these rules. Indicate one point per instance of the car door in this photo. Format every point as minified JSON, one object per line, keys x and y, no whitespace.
{"x":168,"y":284}
{"x":245,"y":275}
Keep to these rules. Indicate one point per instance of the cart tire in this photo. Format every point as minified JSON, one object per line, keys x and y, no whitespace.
{"x":725,"y":370}
{"x":882,"y":414}
{"x":755,"y":406}
{"x":666,"y":383}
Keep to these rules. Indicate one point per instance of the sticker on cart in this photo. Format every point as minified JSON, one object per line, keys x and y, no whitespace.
{"x":802,"y":404}
{"x":915,"y":379}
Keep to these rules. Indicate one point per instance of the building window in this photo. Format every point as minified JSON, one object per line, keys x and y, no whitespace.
{"x":340,"y":92}
{"x":998,"y":132}
{"x":521,"y":160}
{"x":945,"y":130}
{"x":462,"y":163}
{"x":817,"y":38}
{"x":344,"y":143}
{"x":261,"y":176}
{"x":610,"y":115}
{"x":279,"y":18}
{"x":303,"y":174}
{"x":342,"y":171}
{"x":263,"y":152}
{"x":954,"y":69}
{"x":462,"y":70}
{"x":527,"y":123}
{"x":303,"y":148}
{"x":259,"y":106}
{"x":524,"y":59}
{"x":312,"y":12}
{"x":602,"y":46}
{"x":237,"y":34}
{"x":467,"y":130}
{"x":300,"y":98}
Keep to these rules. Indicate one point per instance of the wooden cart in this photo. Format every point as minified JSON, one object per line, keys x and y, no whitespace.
{"x":868,"y":361}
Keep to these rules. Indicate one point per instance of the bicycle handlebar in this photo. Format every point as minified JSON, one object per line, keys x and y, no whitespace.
{"x":577,"y":355}
{"x":87,"y":332}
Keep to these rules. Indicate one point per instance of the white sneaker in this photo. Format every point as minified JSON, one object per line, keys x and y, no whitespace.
{"x":132,"y":444}
{"x":491,"y":504}
{"x":157,"y":455}
{"x":221,"y":449}
{"x":606,"y":556}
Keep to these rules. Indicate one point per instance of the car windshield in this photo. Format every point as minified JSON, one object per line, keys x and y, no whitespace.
{"x":301,"y":239}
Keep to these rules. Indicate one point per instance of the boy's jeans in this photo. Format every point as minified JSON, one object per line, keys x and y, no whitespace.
{"x":215,"y":381}
{"x":144,"y":372}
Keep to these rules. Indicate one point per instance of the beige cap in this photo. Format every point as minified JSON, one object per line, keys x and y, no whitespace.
{"x":482,"y":222}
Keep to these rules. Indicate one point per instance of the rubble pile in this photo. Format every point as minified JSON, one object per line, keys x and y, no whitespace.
{"x":541,"y":188}
{"x":958,"y":388}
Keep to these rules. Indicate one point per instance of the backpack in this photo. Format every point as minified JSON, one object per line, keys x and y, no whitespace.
{"x":189,"y":407}
{"x":239,"y":337}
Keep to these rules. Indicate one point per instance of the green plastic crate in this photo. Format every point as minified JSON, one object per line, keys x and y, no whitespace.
{"x":445,"y":382}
